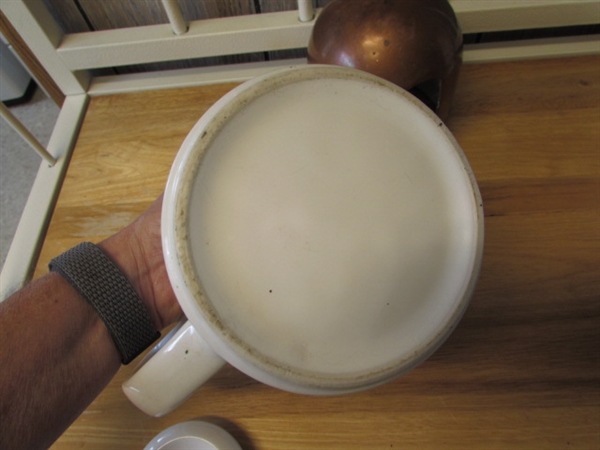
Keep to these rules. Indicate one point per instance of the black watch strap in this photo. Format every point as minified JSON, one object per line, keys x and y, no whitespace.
{"x":100,"y":282}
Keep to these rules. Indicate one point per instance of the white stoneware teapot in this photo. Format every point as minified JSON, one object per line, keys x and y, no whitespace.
{"x":323,"y":233}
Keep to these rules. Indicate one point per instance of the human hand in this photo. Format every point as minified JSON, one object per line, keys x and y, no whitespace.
{"x":137,"y":251}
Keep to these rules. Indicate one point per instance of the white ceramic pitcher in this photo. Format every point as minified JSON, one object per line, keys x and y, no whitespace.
{"x":323,"y":233}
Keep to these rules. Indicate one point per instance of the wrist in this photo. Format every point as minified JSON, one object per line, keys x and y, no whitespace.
{"x":124,"y":254}
{"x":104,"y":286}
{"x":137,"y":252}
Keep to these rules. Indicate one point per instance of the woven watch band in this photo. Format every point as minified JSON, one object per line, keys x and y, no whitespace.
{"x":101,"y":283}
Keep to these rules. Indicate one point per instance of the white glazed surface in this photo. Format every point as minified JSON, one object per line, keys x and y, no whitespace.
{"x":162,"y":386}
{"x":193,"y":435}
{"x":332,"y":236}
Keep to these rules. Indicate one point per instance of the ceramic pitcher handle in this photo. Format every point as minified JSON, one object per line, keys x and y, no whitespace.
{"x":172,"y":371}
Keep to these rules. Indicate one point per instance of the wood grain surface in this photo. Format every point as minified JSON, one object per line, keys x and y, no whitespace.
{"x":522,"y":370}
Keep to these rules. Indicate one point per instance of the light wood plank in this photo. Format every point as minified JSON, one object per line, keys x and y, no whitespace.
{"x":119,"y":172}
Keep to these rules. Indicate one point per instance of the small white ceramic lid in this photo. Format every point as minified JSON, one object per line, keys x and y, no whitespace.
{"x":193,"y":435}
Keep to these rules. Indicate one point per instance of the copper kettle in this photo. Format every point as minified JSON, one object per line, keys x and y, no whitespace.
{"x":416,"y":44}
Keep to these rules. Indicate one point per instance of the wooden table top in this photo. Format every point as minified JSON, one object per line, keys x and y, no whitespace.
{"x":522,"y":370}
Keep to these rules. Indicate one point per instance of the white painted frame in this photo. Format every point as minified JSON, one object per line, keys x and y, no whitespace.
{"x":27,"y":241}
{"x":67,"y":58}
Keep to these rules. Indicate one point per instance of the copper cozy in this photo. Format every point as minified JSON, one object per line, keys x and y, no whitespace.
{"x":416,"y":44}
